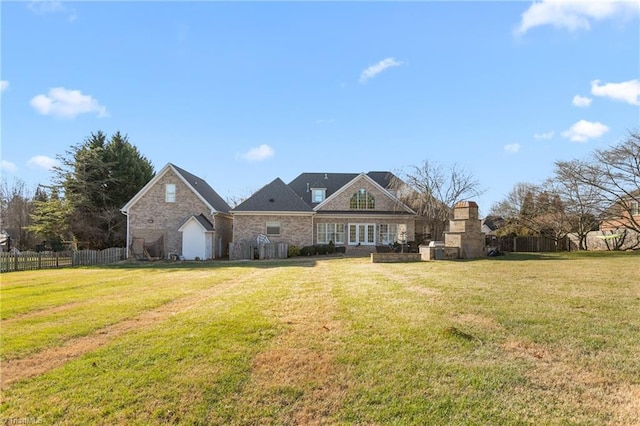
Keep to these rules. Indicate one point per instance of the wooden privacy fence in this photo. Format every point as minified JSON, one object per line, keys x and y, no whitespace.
{"x":250,"y":251}
{"x":531,"y":244}
{"x":31,"y":260}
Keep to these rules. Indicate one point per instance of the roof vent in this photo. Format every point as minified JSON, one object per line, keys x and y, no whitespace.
{"x":271,"y":200}
{"x":326,"y":177}
{"x":307,"y":186}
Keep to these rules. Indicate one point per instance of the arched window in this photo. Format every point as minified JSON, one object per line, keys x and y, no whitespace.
{"x":362,"y":200}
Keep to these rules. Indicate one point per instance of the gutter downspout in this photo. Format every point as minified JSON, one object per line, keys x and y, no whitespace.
{"x":214,"y":238}
{"x":126,"y":213}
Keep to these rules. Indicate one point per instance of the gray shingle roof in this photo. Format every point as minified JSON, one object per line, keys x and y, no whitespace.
{"x":332,"y":182}
{"x":205,"y":191}
{"x":204,"y":222}
{"x":274,"y":197}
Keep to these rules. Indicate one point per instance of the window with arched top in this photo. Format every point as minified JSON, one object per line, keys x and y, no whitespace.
{"x":362,"y":200}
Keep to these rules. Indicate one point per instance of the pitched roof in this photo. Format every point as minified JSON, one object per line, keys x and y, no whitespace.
{"x":202,"y":220}
{"x":274,"y":197}
{"x":332,"y":182}
{"x":205,"y":191}
{"x":198,"y":185}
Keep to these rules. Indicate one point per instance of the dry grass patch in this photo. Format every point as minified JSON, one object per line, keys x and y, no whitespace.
{"x":563,"y":379}
{"x":296,"y":380}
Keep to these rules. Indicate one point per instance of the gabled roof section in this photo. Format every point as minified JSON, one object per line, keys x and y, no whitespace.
{"x":202,"y":220}
{"x":274,"y":197}
{"x":382,"y":177}
{"x":332,"y":182}
{"x":204,"y":190}
{"x":199,"y":187}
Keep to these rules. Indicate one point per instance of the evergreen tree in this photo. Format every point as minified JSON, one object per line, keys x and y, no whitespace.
{"x":95,"y":179}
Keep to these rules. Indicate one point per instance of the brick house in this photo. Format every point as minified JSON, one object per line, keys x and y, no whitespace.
{"x":354,"y":211}
{"x":623,"y":214}
{"x":177,"y":213}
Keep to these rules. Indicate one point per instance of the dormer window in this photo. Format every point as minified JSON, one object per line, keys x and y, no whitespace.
{"x":362,"y":200}
{"x":318,"y":195}
{"x":170,"y":193}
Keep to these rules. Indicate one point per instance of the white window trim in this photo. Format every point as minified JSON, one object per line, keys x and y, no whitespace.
{"x":327,"y":232}
{"x":322,"y":192}
{"x":170,"y":193}
{"x":272,"y":225}
{"x":364,"y":240}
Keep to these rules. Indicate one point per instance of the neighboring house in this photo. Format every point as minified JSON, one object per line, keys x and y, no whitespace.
{"x":624,"y":214}
{"x":178,"y":214}
{"x":354,"y":211}
{"x":491,"y":224}
{"x":5,"y":241}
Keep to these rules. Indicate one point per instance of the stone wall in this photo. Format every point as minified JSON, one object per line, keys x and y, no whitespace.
{"x":394,"y":257}
{"x":439,"y":253}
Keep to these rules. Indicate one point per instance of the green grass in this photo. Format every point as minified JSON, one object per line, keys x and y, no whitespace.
{"x":520,"y":339}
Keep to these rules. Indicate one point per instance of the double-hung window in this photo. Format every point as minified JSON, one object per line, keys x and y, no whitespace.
{"x":170,"y":193}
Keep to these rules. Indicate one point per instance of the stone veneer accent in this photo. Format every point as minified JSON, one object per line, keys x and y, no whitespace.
{"x":151,"y":216}
{"x":395,"y":257}
{"x":465,"y":231}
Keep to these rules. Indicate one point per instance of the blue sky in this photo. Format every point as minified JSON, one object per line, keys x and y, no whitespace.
{"x":241,"y":93}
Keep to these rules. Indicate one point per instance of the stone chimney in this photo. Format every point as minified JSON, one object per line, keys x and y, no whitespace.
{"x":465,"y":231}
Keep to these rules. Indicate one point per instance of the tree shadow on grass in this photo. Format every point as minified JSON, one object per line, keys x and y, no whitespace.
{"x":212,"y":264}
{"x":520,"y":257}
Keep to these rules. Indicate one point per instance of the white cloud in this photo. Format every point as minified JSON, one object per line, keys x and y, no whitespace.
{"x":627,"y":91}
{"x":581,"y":101}
{"x":259,"y":153}
{"x":4,"y":85}
{"x":42,"y":7}
{"x":66,"y":103}
{"x":42,"y":162}
{"x":584,"y":130}
{"x":376,"y":69}
{"x":512,"y":148}
{"x":574,"y":15}
{"x":547,"y":135}
{"x":8,"y":166}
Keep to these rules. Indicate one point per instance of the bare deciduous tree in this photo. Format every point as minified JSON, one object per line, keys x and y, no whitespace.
{"x":432,"y":190}
{"x":16,"y":204}
{"x":582,"y":202}
{"x":616,"y":173}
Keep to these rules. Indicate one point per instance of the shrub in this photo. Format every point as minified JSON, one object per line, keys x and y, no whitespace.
{"x":308,"y":251}
{"x":293,"y":251}
{"x":322,"y":249}
{"x":331,"y":248}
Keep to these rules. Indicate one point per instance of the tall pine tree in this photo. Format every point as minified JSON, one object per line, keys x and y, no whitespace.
{"x":96,"y":178}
